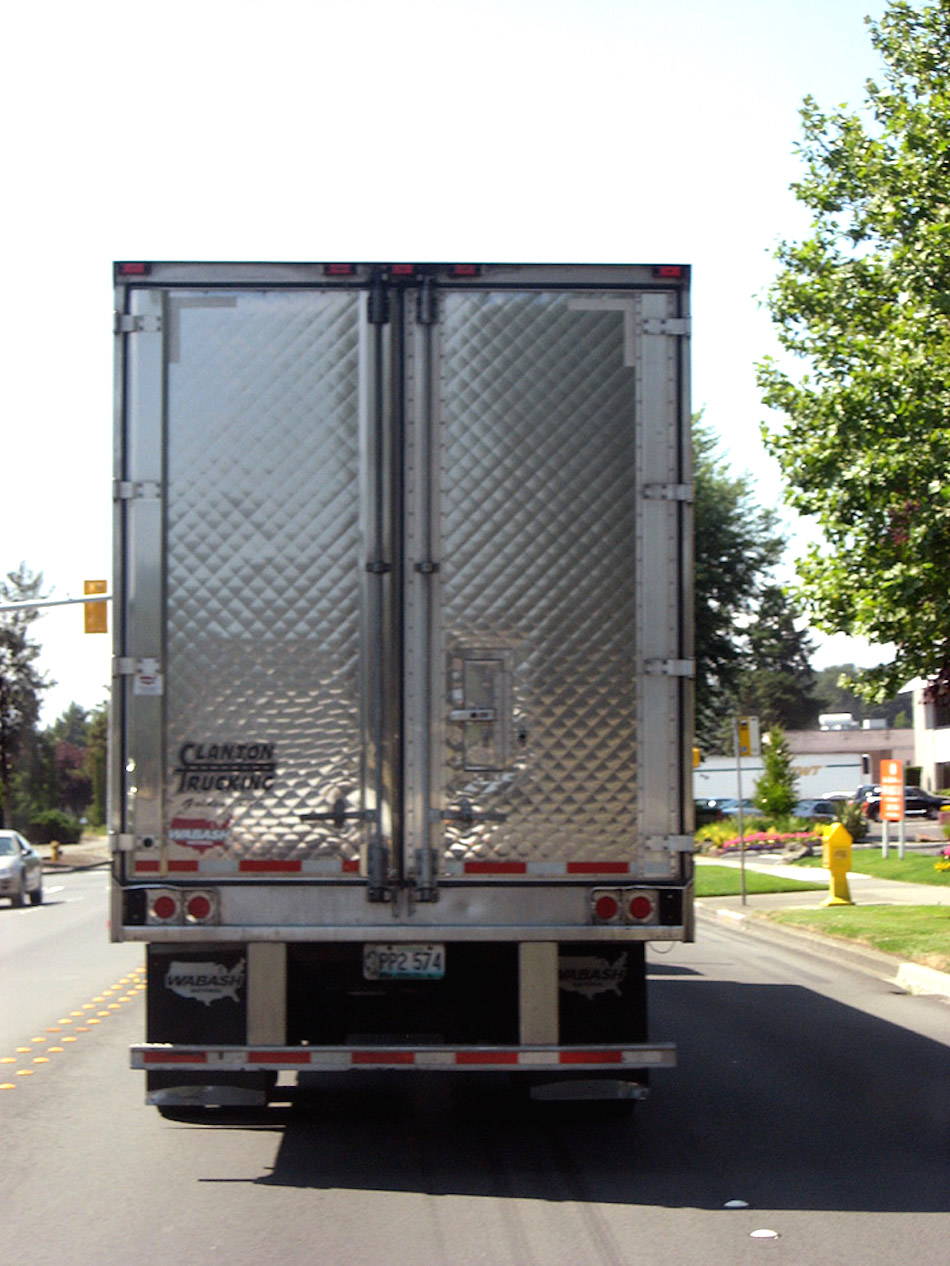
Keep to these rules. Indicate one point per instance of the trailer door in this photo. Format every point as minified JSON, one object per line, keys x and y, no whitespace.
{"x":251,"y":509}
{"x":536,"y":418}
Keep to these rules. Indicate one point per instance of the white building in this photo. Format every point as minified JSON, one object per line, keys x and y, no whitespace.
{"x":931,"y":739}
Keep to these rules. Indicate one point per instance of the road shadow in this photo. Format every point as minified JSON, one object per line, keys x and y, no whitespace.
{"x":782,"y":1098}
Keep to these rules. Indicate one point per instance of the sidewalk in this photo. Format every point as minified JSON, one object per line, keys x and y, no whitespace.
{"x":82,"y":856}
{"x":865,"y":891}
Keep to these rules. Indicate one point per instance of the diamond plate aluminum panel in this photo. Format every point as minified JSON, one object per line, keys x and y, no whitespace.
{"x":538,"y":528}
{"x":262,"y":702}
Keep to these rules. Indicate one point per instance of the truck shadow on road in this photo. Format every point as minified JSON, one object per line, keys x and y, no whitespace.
{"x":782,"y":1098}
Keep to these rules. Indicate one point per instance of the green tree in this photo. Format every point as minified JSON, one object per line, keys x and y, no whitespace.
{"x":737,"y":543}
{"x":778,"y":686}
{"x":72,"y":726}
{"x":776,"y":789}
{"x":21,"y":683}
{"x":836,"y":695}
{"x":865,"y":441}
{"x":96,"y":762}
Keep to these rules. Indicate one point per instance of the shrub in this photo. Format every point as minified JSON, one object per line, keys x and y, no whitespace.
{"x":851,"y":818}
{"x":775,"y":790}
{"x":53,"y":824}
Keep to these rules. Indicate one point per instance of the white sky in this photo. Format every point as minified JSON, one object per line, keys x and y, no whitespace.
{"x":572,"y":130}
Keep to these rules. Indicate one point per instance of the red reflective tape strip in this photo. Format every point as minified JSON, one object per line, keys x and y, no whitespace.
{"x":486,"y":1057}
{"x":590,"y":1057}
{"x":351,"y":866}
{"x":496,"y":868}
{"x":598,"y":868}
{"x":252,"y":866}
{"x":183,"y":866}
{"x":173,"y":1057}
{"x":148,"y":866}
{"x":278,"y":1057}
{"x":383,"y":1057}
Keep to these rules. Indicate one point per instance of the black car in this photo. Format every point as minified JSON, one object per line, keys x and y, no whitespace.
{"x":917,"y":803}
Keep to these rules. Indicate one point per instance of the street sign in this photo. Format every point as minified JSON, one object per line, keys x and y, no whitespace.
{"x":892,"y":790}
{"x":749,"y":743}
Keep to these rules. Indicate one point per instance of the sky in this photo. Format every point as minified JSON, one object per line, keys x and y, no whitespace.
{"x":498,"y":130}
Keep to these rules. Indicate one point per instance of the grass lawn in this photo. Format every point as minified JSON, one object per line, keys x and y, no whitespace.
{"x":914,"y":869}
{"x":919,"y":934}
{"x":725,"y":881}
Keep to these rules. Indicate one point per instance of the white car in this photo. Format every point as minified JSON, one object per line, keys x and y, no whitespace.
{"x":21,"y":870}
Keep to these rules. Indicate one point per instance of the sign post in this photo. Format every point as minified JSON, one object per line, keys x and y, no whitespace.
{"x":892,"y":802}
{"x":745,"y":733}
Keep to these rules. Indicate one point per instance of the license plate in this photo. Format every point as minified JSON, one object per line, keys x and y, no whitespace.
{"x":403,"y":962}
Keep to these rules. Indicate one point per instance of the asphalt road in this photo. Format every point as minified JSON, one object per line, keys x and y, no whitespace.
{"x":52,"y":956}
{"x":818,"y":1096}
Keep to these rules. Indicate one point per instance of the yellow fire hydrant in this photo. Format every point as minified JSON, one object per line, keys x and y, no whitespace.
{"x":54,"y":851}
{"x":836,"y":857}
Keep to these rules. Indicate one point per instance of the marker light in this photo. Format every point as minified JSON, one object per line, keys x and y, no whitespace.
{"x":640,"y":907}
{"x":200,"y":907}
{"x":605,"y":906}
{"x":164,"y":908}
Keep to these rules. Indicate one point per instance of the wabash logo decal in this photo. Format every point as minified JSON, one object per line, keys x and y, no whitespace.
{"x":205,"y":982}
{"x":199,"y":833}
{"x":591,"y":976}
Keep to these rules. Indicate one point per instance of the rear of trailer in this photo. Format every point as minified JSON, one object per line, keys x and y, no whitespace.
{"x":402,"y":699}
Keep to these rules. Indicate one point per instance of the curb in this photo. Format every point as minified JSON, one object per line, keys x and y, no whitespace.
{"x":911,"y":977}
{"x":70,"y":868}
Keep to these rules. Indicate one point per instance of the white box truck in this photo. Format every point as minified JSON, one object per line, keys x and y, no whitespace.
{"x":402,"y":702}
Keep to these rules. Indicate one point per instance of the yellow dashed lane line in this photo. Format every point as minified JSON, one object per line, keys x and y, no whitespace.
{"x":128,"y":987}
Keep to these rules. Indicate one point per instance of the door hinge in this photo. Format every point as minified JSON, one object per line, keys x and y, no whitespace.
{"x":680,"y":326}
{"x":670,"y":667}
{"x":136,"y":490}
{"x":668,"y":492}
{"x":126,"y":323}
{"x":671,"y":843}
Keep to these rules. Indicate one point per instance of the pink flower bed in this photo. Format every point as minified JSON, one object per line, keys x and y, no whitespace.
{"x":764,"y":841}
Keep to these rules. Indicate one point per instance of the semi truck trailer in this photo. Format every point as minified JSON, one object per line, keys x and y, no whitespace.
{"x":401,"y":721}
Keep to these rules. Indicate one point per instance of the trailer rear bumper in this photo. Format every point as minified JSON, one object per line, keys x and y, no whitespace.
{"x":168,"y":1057}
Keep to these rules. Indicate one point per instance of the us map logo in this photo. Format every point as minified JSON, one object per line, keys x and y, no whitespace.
{"x":592,"y":975}
{"x":199,"y":834}
{"x":205,"y":982}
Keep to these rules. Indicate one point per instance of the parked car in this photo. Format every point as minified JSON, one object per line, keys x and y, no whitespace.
{"x":21,"y":870}
{"x":707,"y":810}
{"x":730,"y":808}
{"x":917,"y":803}
{"x":816,"y":810}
